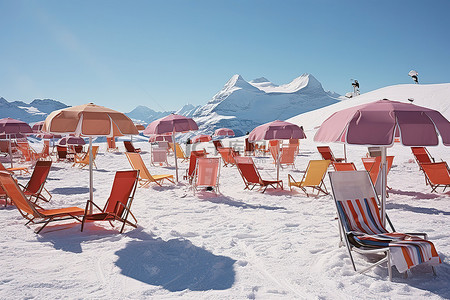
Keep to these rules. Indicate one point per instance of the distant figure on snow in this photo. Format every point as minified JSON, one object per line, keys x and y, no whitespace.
{"x":414,"y":75}
{"x":355,"y":85}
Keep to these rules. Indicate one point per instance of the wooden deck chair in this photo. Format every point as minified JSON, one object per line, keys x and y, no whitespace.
{"x":130,"y":148}
{"x":207,"y":174}
{"x":111,"y":142}
{"x":35,"y":186}
{"x":180,"y":153}
{"x":437,"y":175}
{"x":228,"y":156}
{"x":251,"y":176}
{"x":159,"y":157}
{"x":361,"y":228}
{"x":14,"y":169}
{"x":326,"y":153}
{"x":33,"y":212}
{"x":117,"y":207}
{"x":84,"y":160}
{"x":313,"y":177}
{"x":190,"y":172}
{"x":341,"y":166}
{"x":373,"y":167}
{"x":287,"y":155}
{"x":145,"y":178}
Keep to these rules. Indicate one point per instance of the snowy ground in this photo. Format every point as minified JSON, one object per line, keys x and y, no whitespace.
{"x":239,"y":244}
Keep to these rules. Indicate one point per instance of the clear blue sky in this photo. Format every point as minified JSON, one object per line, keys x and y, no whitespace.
{"x":163,"y":54}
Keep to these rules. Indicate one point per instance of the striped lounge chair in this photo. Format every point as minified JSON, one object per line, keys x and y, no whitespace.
{"x":363,"y":231}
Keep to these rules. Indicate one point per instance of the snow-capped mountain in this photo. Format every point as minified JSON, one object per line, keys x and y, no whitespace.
{"x":242,"y":105}
{"x":35,"y":111}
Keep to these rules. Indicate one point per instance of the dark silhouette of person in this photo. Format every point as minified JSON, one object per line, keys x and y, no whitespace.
{"x":355,"y":84}
{"x":415,"y":78}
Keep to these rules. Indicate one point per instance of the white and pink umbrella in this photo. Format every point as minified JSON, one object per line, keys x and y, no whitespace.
{"x":159,"y":138}
{"x":379,"y":123}
{"x":224,"y":132}
{"x":276,"y":130}
{"x":13,"y":128}
{"x":201,"y":138}
{"x":171,"y":124}
{"x":71,"y":140}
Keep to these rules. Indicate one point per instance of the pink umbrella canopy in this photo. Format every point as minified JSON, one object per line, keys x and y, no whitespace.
{"x":378,"y":123}
{"x":276,"y":130}
{"x":172,"y":123}
{"x":201,"y":138}
{"x":161,"y":137}
{"x":48,"y":136}
{"x":37,"y":127}
{"x":224,"y":132}
{"x":13,"y":126}
{"x":71,"y":140}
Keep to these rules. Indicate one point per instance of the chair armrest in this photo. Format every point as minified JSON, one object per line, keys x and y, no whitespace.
{"x":425,"y":236}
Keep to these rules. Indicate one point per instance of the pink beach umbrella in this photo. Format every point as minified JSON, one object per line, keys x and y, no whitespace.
{"x":159,"y":138}
{"x":201,"y":138}
{"x":37,"y":127}
{"x":276,"y":130}
{"x":224,"y":132}
{"x":71,"y":140}
{"x":379,"y":123}
{"x":171,"y":124}
{"x":13,"y":128}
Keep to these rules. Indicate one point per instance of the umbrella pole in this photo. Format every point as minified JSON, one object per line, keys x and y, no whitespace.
{"x":383,"y":185}
{"x":91,"y":177}
{"x":345,"y":153}
{"x":10,"y":152}
{"x":175,"y":152}
{"x":278,"y":160}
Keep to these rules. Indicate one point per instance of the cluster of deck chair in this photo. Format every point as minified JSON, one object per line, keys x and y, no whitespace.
{"x":26,"y":198}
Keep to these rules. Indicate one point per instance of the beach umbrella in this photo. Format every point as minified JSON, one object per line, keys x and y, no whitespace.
{"x":37,"y":127}
{"x":71,"y":140}
{"x":159,"y":138}
{"x":379,"y":123}
{"x":276,"y":130}
{"x":201,"y":138}
{"x":140,"y":127}
{"x":224,"y":132}
{"x":173,"y":124}
{"x":89,"y":120}
{"x":13,"y":128}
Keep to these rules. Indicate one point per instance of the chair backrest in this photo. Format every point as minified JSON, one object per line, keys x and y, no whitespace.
{"x":193,"y":161}
{"x":163,"y":145}
{"x":4,"y":146}
{"x":24,"y":147}
{"x":421,"y":154}
{"x":79,"y":148}
{"x":249,"y":147}
{"x":62,"y":152}
{"x":374,"y":151}
{"x":122,"y":191}
{"x":247,"y":169}
{"x":356,"y":202}
{"x":16,"y":194}
{"x":326,"y":153}
{"x":437,"y":173}
{"x":217,"y":144}
{"x":94,"y":154}
{"x":137,"y":163}
{"x":37,"y":179}
{"x":288,"y":154}
{"x":180,"y":152}
{"x":227,"y":155}
{"x":159,"y":155}
{"x":373,"y":166}
{"x":207,"y":171}
{"x":129,"y":146}
{"x":344,"y":166}
{"x":315,"y":172}
{"x":111,"y":142}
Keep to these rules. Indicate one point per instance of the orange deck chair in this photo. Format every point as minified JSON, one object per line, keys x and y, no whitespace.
{"x":15,"y":169}
{"x":145,"y":178}
{"x":117,"y":207}
{"x":180,"y":153}
{"x":35,"y":186}
{"x":437,"y":175}
{"x":130,"y":148}
{"x":217,"y":144}
{"x":28,"y":153}
{"x":33,"y":212}
{"x":326,"y":153}
{"x":84,"y":160}
{"x":313,"y":177}
{"x":111,"y":142}
{"x":251,"y":176}
{"x":207,"y":173}
{"x":422,"y":155}
{"x":190,"y":172}
{"x":342,"y":166}
{"x":287,"y":155}
{"x":373,"y":166}
{"x":228,"y":156}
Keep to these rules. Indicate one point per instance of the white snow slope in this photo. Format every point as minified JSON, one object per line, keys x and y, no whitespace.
{"x":239,"y":244}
